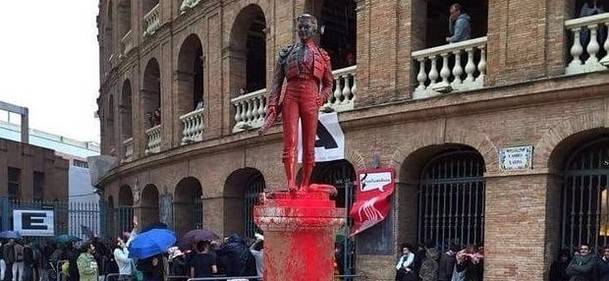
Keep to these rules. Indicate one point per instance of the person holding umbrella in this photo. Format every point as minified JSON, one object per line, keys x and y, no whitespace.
{"x":87,"y":266}
{"x":149,"y":248}
{"x":203,"y":262}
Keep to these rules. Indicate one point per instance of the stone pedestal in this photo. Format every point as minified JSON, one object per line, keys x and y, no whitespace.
{"x":299,"y":231}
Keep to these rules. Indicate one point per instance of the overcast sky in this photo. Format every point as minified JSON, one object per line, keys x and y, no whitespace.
{"x":49,"y":63}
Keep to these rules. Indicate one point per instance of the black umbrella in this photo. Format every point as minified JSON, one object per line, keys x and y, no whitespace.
{"x":197,"y":235}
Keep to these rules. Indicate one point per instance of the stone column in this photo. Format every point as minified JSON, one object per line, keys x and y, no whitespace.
{"x":299,"y":231}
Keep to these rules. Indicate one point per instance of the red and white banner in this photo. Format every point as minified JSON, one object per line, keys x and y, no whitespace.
{"x":372,"y":198}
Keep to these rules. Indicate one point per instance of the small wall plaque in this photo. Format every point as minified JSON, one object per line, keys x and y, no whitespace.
{"x":516,"y":158}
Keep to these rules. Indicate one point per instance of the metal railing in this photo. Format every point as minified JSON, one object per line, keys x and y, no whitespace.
{"x":249,"y":278}
{"x":219,"y":278}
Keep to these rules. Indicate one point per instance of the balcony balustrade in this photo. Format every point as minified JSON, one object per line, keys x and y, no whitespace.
{"x":127,"y":43}
{"x":462,"y":67}
{"x":128,"y":149}
{"x":152,"y":21}
{"x":249,"y":110}
{"x":153,"y":140}
{"x":345,"y":89}
{"x":589,"y":36}
{"x":188,"y":4}
{"x":193,"y":126}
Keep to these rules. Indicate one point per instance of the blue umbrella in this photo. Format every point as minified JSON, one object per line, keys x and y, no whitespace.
{"x":10,"y":234}
{"x":151,"y":243}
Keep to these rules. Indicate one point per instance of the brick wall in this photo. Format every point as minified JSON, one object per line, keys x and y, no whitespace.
{"x":526,"y":101}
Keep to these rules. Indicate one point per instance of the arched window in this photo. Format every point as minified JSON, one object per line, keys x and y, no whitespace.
{"x":124,"y":17}
{"x":126,"y":111}
{"x":148,"y":5}
{"x":108,"y":32}
{"x":248,"y":50}
{"x":110,"y":124}
{"x":151,"y":94}
{"x":338,"y":23}
{"x":451,"y":199}
{"x":585,"y":204}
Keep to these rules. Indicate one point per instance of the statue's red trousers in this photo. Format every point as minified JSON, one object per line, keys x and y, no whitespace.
{"x":300,"y":100}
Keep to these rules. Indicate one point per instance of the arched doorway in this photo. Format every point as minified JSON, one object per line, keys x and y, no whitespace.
{"x":248,"y":51}
{"x":149,"y":206}
{"x":241,"y":191}
{"x":151,"y":94}
{"x":190,"y":75}
{"x":451,"y":192}
{"x":338,"y":23}
{"x":187,"y":206}
{"x":437,"y":23}
{"x":126,"y":111}
{"x":123,"y":213}
{"x":189,"y":81}
{"x":585,"y":198}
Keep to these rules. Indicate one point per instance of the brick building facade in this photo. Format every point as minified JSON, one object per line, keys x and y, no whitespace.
{"x":181,"y":96}
{"x":32,"y":173}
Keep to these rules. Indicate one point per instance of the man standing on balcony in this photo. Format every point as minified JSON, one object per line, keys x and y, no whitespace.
{"x":459,"y":24}
{"x":308,"y":72}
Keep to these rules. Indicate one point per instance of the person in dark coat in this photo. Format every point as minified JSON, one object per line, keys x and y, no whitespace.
{"x":603,"y":265}
{"x":405,"y":264}
{"x":238,"y":260}
{"x":72,"y":256}
{"x":419,"y":255}
{"x":558,"y":269}
{"x":28,"y":262}
{"x":447,"y":263}
{"x":429,"y":266}
{"x":152,"y":268}
{"x":8,"y":252}
{"x":581,"y":268}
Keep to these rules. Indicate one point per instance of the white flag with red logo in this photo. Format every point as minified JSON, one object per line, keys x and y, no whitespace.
{"x":372,"y":198}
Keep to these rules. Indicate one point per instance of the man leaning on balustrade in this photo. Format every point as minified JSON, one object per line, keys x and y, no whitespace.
{"x":459,"y":24}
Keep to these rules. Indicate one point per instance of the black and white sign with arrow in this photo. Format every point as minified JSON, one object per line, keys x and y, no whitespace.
{"x":329,"y":141}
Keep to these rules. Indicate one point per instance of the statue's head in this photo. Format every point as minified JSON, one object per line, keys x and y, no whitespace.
{"x":306,"y":25}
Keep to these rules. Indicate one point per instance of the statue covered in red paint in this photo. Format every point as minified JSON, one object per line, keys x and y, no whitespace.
{"x":306,"y":68}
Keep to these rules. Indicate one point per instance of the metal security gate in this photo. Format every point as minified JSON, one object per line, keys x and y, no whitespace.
{"x":254,"y":187}
{"x":585,"y":204}
{"x":451,"y":199}
{"x":80,"y":219}
{"x":123,"y":220}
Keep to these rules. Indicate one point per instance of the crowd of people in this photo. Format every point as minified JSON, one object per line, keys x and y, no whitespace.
{"x":427,"y":263}
{"x":23,"y":260}
{"x":583,"y":265}
{"x":233,"y":256}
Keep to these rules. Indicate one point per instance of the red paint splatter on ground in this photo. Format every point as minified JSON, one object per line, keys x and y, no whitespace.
{"x":299,"y":230}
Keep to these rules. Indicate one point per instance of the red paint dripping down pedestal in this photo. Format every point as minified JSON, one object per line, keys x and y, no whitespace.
{"x":299,"y":232}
